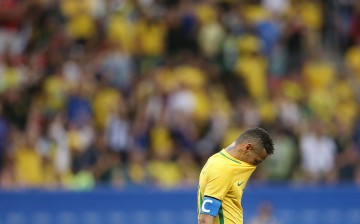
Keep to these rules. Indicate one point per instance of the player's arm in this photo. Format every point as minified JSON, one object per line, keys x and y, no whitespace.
{"x":217,"y":186}
{"x":206,"y":219}
{"x":209,"y":210}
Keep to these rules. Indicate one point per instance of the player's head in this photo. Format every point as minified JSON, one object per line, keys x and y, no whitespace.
{"x":256,"y":144}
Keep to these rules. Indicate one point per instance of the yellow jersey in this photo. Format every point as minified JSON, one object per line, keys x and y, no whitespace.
{"x":224,"y":178}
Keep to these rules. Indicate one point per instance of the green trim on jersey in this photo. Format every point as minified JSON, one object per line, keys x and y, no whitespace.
{"x":200,"y":202}
{"x":229,"y":158}
{"x":221,"y":216}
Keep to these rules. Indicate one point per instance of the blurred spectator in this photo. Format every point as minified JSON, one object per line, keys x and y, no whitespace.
{"x":28,"y":163}
{"x":137,"y":170}
{"x":315,"y":141}
{"x":278,"y":7}
{"x":80,"y":21}
{"x":117,"y":68}
{"x":347,"y":155}
{"x":265,"y":215}
{"x":211,"y":32}
{"x":181,"y":29}
{"x":295,"y":44}
{"x":280,"y":167}
{"x":13,"y":33}
{"x":105,"y":101}
{"x":118,"y":133}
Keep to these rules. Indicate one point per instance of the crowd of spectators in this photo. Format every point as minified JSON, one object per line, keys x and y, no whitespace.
{"x":133,"y":92}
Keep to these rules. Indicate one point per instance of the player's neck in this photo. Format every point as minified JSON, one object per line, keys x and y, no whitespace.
{"x":235,"y":152}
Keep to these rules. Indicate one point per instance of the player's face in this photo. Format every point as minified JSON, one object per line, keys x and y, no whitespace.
{"x":257,"y":156}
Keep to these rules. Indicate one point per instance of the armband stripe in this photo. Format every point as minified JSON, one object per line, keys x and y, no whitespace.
{"x":210,"y":206}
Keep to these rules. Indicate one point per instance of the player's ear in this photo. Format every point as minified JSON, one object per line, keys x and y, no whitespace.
{"x":248,"y":147}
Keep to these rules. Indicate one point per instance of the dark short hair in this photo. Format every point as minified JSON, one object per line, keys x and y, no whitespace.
{"x":259,"y":137}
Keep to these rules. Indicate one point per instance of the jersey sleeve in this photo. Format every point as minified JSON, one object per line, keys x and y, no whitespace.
{"x":218,"y":182}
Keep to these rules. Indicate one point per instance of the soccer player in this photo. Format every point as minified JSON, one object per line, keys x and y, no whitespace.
{"x":225,"y":174}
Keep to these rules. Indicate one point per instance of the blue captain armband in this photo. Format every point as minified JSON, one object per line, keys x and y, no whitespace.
{"x":210,"y":206}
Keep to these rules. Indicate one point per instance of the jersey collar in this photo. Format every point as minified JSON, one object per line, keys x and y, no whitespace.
{"x":230,"y":157}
